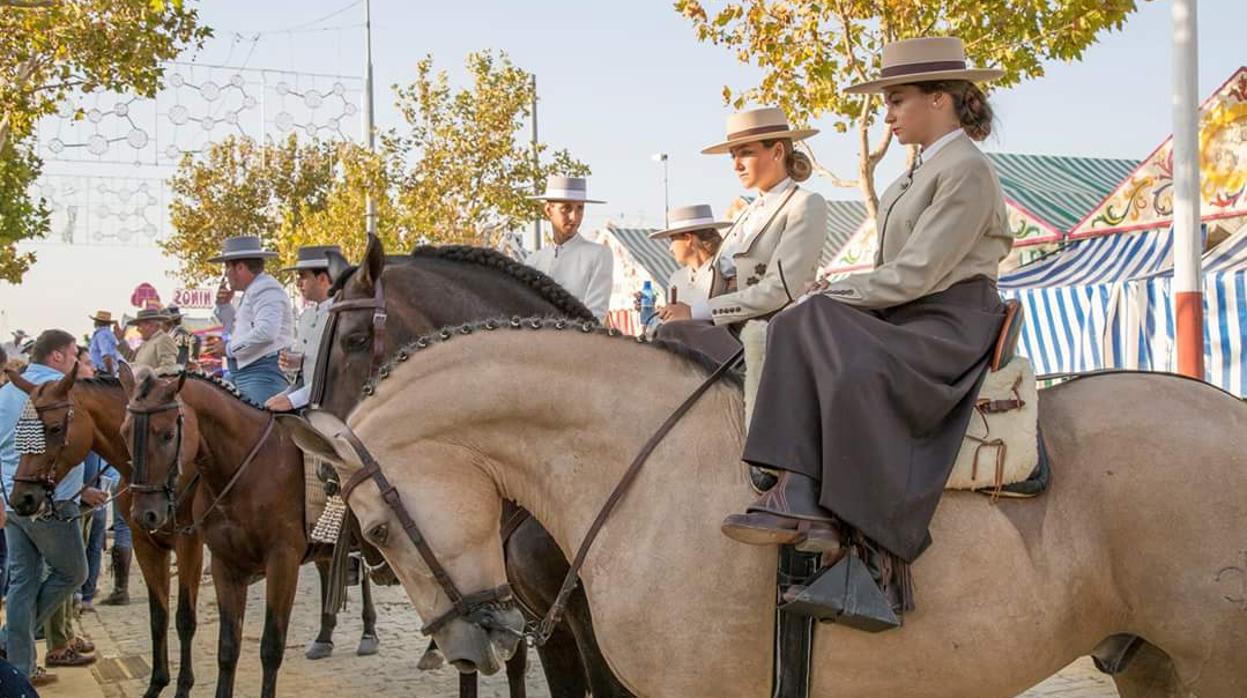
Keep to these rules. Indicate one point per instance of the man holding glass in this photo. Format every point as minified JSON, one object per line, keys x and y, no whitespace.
{"x":300,"y":360}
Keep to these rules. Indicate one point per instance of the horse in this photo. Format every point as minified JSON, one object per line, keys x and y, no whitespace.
{"x":90,"y":412}
{"x":1142,"y":530}
{"x":429,"y":289}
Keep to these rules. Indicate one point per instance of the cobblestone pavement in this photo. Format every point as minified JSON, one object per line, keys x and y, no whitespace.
{"x":121,"y":634}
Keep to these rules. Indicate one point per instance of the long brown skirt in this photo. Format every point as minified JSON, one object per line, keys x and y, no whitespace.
{"x":875,"y":403}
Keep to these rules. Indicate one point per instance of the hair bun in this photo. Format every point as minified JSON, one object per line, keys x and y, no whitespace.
{"x":799,"y":166}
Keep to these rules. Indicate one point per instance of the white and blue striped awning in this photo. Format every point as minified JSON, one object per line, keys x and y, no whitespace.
{"x":1098,"y":260}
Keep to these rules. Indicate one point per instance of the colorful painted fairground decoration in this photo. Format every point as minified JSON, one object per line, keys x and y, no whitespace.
{"x":1144,"y":200}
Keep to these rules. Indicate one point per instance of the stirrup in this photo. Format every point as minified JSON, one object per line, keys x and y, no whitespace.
{"x":845,"y":594}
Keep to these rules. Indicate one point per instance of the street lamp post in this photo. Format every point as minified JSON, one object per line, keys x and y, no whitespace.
{"x":666,"y":192}
{"x":1187,"y":271}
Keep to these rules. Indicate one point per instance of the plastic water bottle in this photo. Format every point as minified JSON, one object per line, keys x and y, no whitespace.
{"x":647,"y":303}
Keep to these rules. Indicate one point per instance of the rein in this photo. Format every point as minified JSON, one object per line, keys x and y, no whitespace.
{"x":469,"y":606}
{"x":242,"y":468}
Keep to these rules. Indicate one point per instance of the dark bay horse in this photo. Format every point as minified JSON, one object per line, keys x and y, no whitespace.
{"x":92,"y":411}
{"x":437,"y":287}
{"x":86,"y":415}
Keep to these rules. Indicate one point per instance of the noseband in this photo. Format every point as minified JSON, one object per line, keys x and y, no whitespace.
{"x":377,"y":305}
{"x":471,"y":607}
{"x":139,"y":475}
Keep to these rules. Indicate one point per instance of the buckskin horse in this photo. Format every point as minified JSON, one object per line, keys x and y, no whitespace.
{"x":88,"y":414}
{"x":417,"y":294}
{"x":1142,"y":531}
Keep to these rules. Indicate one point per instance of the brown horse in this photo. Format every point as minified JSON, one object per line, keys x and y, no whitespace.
{"x":1142,"y":530}
{"x":92,"y":411}
{"x":436,"y":287}
{"x":88,"y":414}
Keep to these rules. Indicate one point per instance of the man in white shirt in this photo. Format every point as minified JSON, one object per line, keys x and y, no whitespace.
{"x":260,"y":327}
{"x":583,"y":268}
{"x":314,"y":284}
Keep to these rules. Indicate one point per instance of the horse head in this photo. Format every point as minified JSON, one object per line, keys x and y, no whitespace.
{"x":161,"y":440}
{"x":478,"y":628}
{"x":57,"y":440}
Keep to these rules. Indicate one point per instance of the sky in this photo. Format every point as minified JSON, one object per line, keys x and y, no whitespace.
{"x":617,"y":83}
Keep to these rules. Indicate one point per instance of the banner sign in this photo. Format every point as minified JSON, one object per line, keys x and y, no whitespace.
{"x":194,"y":298}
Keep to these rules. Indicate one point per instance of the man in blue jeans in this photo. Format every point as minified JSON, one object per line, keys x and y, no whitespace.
{"x":260,"y":327}
{"x":35,"y":544}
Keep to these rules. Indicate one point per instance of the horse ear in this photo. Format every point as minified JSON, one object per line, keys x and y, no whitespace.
{"x":126,"y":375}
{"x":374,"y":262}
{"x":338,"y":265}
{"x":22,"y":384}
{"x":64,"y":385}
{"x":310,"y":439}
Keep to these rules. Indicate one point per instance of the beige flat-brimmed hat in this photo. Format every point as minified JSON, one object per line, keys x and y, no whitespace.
{"x":923,"y":60}
{"x":242,"y":247}
{"x":102,"y":316}
{"x":686,"y":219}
{"x":560,"y":188}
{"x":757,"y":125}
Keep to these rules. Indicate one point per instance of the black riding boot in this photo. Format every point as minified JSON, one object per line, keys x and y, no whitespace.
{"x":120,"y":559}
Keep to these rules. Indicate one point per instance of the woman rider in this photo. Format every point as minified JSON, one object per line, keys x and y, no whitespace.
{"x":694,"y":238}
{"x":869,"y":383}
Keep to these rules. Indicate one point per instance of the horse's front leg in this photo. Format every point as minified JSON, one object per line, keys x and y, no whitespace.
{"x":369,"y":642}
{"x":154,"y":564}
{"x":190,"y":554}
{"x":231,"y":599}
{"x":282,"y":580}
{"x":322,"y":646}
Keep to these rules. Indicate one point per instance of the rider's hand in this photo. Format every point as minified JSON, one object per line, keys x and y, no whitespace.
{"x":675,"y":311}
{"x":817,"y":286}
{"x":636,"y":301}
{"x":211,"y":346}
{"x":224,"y":294}
{"x":93,"y":497}
{"x":118,"y":332}
{"x":279,"y":403}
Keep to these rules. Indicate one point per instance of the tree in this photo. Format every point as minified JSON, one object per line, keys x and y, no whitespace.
{"x":50,"y":48}
{"x":21,"y":216}
{"x":809,"y":51}
{"x":240,"y":188}
{"x":470,"y":172}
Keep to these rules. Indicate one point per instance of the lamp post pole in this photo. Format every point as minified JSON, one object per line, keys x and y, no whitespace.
{"x":370,"y":204}
{"x":666,"y":192}
{"x":1187,"y":272}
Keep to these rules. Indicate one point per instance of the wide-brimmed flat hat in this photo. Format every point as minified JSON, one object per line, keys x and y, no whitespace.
{"x":314,"y":257}
{"x":686,"y":219}
{"x":763,"y":124}
{"x":148,"y":314}
{"x":566,"y":189}
{"x":923,"y":60}
{"x":242,"y":247}
{"x":102,"y":316}
{"x":174,"y":312}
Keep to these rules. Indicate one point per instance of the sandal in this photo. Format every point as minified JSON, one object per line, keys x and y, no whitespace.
{"x":68,"y":657}
{"x":42,"y":677}
{"x":82,"y":645}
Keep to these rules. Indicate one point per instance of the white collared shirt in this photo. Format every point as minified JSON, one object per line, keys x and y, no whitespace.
{"x":584,"y":268}
{"x":261,"y":325}
{"x":308,"y":329}
{"x":929,"y":152}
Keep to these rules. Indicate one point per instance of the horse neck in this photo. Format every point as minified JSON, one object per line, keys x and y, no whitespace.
{"x":228,"y":428}
{"x":555,"y":435}
{"x":105,"y":404}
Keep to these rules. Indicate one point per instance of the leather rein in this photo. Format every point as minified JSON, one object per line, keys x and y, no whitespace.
{"x":469,"y":606}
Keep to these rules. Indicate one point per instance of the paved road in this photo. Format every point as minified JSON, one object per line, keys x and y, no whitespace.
{"x":122,"y":637}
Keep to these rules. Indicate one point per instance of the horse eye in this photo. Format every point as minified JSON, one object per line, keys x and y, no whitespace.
{"x":377,"y":534}
{"x":167,"y":436}
{"x":356,"y":341}
{"x":55,"y":429}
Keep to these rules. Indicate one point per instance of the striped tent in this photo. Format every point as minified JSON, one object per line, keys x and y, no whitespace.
{"x":1048,"y":195}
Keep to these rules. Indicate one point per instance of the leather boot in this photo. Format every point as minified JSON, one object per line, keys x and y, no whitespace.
{"x":786,"y":514}
{"x":120,"y":559}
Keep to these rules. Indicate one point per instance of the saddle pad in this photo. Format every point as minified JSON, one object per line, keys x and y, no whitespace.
{"x":314,"y":496}
{"x":1001,"y":445}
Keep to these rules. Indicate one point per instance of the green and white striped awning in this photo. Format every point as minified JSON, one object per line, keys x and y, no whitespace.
{"x":1058,"y":190}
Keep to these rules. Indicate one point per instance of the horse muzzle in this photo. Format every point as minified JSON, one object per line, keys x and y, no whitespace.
{"x":26,"y":499}
{"x":150,"y":512}
{"x":484,"y":644}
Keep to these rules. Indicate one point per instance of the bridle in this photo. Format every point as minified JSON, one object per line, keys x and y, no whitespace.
{"x":139,"y":483}
{"x":472,"y":607}
{"x":50,"y":440}
{"x":377,"y":305}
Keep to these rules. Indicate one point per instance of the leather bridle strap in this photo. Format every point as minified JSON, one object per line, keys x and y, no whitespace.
{"x":461,"y":606}
{"x":554,"y":615}
{"x":377,"y":305}
{"x":138,"y":459}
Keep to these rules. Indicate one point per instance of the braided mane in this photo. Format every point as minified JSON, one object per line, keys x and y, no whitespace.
{"x":699,"y":360}
{"x":145,"y":378}
{"x":545,"y":287}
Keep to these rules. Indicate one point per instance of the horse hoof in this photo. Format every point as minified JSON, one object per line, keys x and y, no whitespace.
{"x":368,"y":644}
{"x":431,"y":660}
{"x":319,"y":650}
